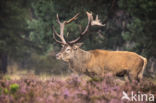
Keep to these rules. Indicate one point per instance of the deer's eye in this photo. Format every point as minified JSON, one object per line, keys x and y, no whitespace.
{"x":68,"y":50}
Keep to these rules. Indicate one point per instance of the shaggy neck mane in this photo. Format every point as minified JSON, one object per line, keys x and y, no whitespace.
{"x":79,"y":61}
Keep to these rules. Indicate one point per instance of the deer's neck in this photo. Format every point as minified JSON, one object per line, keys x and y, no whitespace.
{"x":78,"y":62}
{"x":81,"y":55}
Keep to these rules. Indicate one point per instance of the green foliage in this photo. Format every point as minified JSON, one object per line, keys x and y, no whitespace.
{"x":140,"y":30}
{"x":7,"y":77}
{"x":41,"y":24}
{"x":6,"y":91}
{"x":14,"y":87}
{"x":45,"y":64}
{"x":137,"y":7}
{"x":135,"y":28}
{"x":13,"y":32}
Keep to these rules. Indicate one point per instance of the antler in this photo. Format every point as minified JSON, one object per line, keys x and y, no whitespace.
{"x":90,"y":22}
{"x":86,"y":29}
{"x":62,"y":24}
{"x":97,"y":22}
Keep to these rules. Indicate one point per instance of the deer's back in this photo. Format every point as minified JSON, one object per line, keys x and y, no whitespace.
{"x":115,"y":61}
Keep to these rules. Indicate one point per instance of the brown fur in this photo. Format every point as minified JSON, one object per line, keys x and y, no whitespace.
{"x":99,"y":62}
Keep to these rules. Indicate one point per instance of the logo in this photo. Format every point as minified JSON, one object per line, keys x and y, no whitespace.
{"x":137,"y":97}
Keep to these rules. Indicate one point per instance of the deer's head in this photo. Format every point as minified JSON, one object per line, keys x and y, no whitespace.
{"x":70,"y":47}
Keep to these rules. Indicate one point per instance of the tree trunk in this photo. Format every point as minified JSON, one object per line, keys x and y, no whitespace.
{"x":3,"y":63}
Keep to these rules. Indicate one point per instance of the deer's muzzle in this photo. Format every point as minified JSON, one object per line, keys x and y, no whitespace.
{"x":58,"y":56}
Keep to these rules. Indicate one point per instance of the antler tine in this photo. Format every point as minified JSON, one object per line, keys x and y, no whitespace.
{"x":86,"y":29}
{"x":57,"y":40}
{"x":72,"y":19}
{"x":97,"y":18}
{"x":97,"y":22}
{"x":58,"y":20}
{"x":62,"y":24}
{"x":89,"y":21}
{"x":61,"y":31}
{"x":55,"y":33}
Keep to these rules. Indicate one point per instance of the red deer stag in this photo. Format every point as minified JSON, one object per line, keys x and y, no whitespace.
{"x":97,"y":62}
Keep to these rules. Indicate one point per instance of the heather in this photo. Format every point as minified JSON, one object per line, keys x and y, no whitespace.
{"x":72,"y":89}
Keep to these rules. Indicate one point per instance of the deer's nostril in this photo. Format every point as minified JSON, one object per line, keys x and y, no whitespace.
{"x":58,"y":56}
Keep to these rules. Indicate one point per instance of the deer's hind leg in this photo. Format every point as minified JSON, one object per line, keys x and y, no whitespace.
{"x":132,"y":76}
{"x":123,"y":74}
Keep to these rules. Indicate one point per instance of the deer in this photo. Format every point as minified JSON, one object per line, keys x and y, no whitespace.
{"x":97,"y":62}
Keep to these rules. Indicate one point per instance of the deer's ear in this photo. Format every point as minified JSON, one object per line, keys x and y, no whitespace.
{"x":77,"y":45}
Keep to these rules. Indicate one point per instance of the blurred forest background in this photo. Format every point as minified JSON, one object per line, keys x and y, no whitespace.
{"x":26,"y":40}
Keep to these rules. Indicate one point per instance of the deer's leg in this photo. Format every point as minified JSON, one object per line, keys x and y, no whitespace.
{"x":123,"y":74}
{"x":126,"y":78}
{"x":132,"y":76}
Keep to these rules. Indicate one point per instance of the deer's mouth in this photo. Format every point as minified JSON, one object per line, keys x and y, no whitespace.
{"x":58,"y":56}
{"x":65,"y":59}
